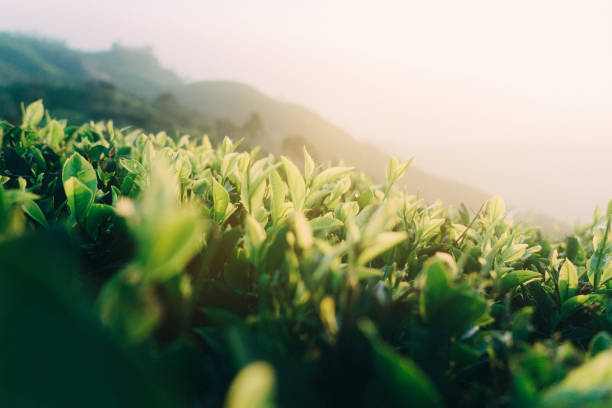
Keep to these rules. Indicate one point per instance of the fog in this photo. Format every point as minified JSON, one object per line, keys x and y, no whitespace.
{"x":512,"y":97}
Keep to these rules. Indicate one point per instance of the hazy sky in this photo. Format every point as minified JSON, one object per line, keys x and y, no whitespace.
{"x":514,"y":97}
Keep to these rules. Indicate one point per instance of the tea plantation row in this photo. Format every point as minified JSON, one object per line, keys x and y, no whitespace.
{"x":145,"y":270}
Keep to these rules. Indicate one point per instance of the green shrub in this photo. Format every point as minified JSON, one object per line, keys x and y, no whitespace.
{"x":141,"y":270}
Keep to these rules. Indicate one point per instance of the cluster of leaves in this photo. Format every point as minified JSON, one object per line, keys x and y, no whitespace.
{"x":133,"y":262}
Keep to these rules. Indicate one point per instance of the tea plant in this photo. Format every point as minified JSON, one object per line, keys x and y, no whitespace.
{"x":218,"y":277}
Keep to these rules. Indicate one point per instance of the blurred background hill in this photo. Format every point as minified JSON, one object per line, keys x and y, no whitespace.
{"x":129,"y":86}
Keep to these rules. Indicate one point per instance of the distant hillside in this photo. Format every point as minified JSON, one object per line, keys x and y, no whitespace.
{"x":135,"y":70}
{"x":81,"y":102}
{"x":287,"y":124}
{"x":30,"y":59}
{"x":97,"y":100}
{"x":141,"y":85}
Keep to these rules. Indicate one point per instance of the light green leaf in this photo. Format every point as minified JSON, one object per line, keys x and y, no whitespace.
{"x":395,"y":170}
{"x":435,"y":288}
{"x":329,"y":176}
{"x":79,"y":198}
{"x":278,"y":190}
{"x":568,"y":280}
{"x":33,"y":114}
{"x":77,"y":166}
{"x":253,"y":387}
{"x":431,"y":228}
{"x":391,"y":169}
{"x":515,"y":278}
{"x":19,"y":196}
{"x":496,"y":208}
{"x":587,"y":385}
{"x":303,"y":232}
{"x":33,"y":210}
{"x":309,"y":166}
{"x":297,"y":187}
{"x":382,"y":242}
{"x":221,"y":200}
{"x":96,"y":215}
{"x":513,"y":252}
{"x":176,"y":239}
{"x":133,"y":166}
{"x":254,"y":237}
{"x":325,"y":223}
{"x":576,"y":303}
{"x":256,"y":197}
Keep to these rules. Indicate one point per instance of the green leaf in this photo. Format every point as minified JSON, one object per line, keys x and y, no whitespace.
{"x":576,"y":303}
{"x":391,"y":170}
{"x":183,"y":168}
{"x":309,"y":166}
{"x":97,"y":214}
{"x":221,"y":201}
{"x":41,"y":164}
{"x":347,"y":210}
{"x":130,"y":311}
{"x":79,"y":198}
{"x":435,"y":289}
{"x":395,"y":170}
{"x":431,"y":228}
{"x":329,"y":176}
{"x":256,"y":196}
{"x":513,"y":252}
{"x":362,"y":272}
{"x":568,"y":280}
{"x":33,"y":210}
{"x":515,"y":278}
{"x":33,"y":114}
{"x":382,"y":242}
{"x":253,"y":387}
{"x":115,"y":194}
{"x":403,"y":381}
{"x":175,"y":240}
{"x":19,"y":196}
{"x":588,"y":385}
{"x":133,"y":166}
{"x":303,"y":232}
{"x":325,"y":223}
{"x":598,"y":263}
{"x":574,"y":251}
{"x":55,"y":133}
{"x":278,"y":192}
{"x":254,"y":237}
{"x":447,"y":308}
{"x":602,"y":341}
{"x":297,"y":187}
{"x":495,"y":208}
{"x":77,"y":166}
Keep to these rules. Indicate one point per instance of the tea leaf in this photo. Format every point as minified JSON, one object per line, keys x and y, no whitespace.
{"x":297,"y":187}
{"x":568,"y":280}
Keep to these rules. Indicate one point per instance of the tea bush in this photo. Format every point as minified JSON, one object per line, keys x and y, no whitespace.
{"x":144,"y":270}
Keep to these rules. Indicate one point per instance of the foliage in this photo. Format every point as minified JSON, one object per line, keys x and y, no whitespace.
{"x":210,"y":275}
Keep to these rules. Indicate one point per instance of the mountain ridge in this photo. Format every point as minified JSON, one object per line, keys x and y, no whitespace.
{"x":284,"y":126}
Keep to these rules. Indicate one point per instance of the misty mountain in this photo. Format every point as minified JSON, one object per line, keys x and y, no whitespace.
{"x":140,"y":91}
